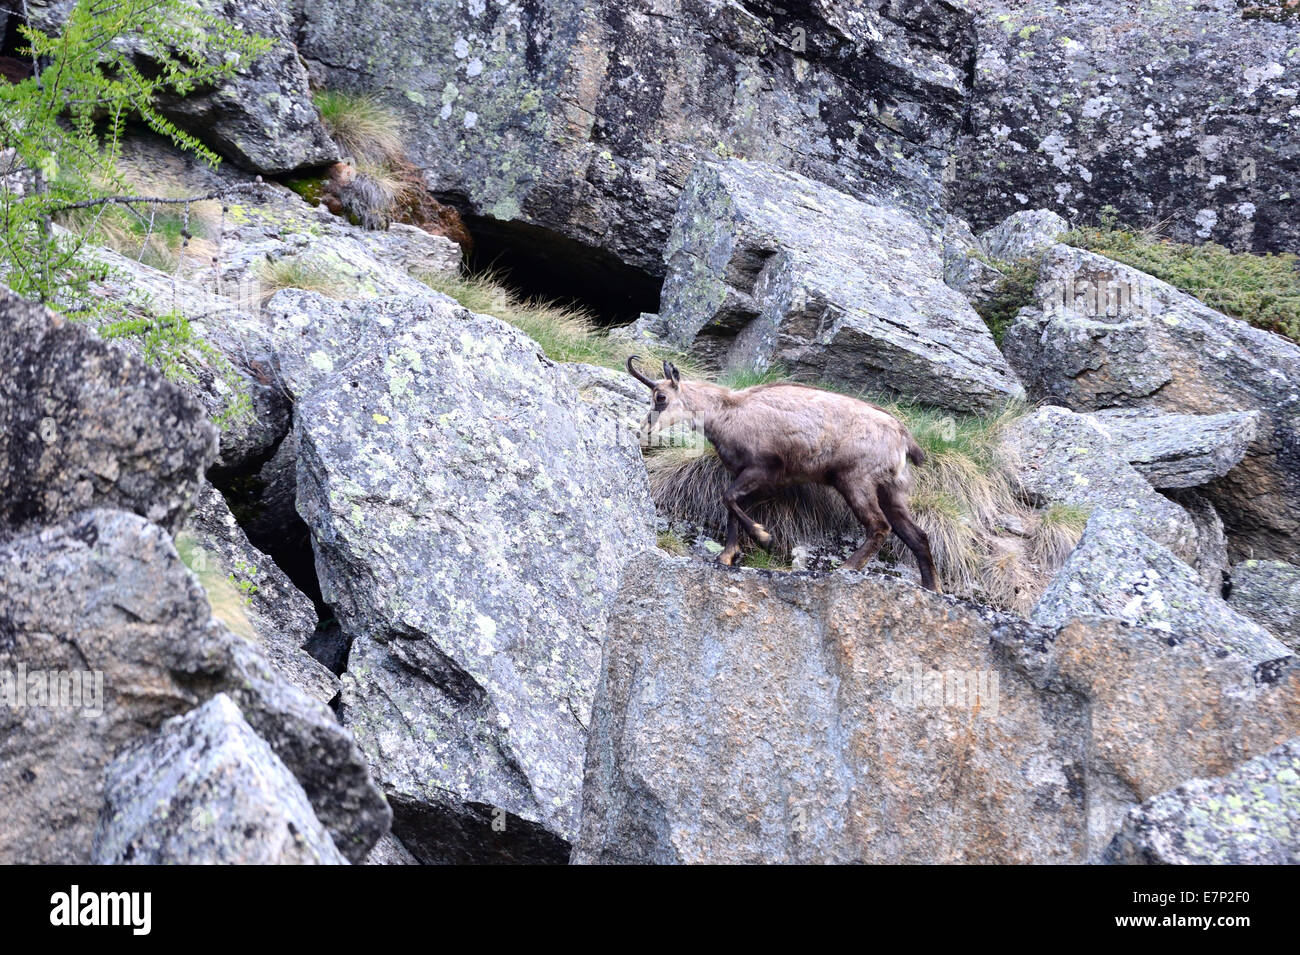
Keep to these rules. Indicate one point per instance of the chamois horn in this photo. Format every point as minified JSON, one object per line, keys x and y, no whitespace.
{"x":636,"y":374}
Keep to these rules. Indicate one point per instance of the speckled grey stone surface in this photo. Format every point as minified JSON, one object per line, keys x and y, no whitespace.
{"x":1176,"y":450}
{"x":105,"y":591}
{"x":282,"y":617}
{"x":766,"y":267}
{"x":263,"y":117}
{"x":470,"y":515}
{"x":585,"y":118}
{"x":83,"y":424}
{"x":1104,"y":335}
{"x":1180,"y":113}
{"x":207,"y":790}
{"x":1023,"y":235}
{"x":1066,"y":458}
{"x":1249,"y":817}
{"x":1268,"y":591}
{"x":747,"y":716}
{"x":1116,"y":571}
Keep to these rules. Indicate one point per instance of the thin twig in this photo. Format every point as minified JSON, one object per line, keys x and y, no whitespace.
{"x":135,"y":200}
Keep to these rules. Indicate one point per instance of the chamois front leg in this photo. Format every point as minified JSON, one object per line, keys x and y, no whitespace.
{"x":746,"y":483}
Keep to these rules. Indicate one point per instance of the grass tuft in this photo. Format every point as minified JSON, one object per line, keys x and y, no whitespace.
{"x":565,"y":333}
{"x":295,"y":273}
{"x":365,"y":129}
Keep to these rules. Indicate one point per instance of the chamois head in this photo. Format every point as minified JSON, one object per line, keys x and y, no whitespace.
{"x":668,"y":405}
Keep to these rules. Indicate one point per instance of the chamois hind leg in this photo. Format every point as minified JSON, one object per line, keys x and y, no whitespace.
{"x":732,"y":549}
{"x":892,"y":503}
{"x":862,"y":501}
{"x":746,"y":483}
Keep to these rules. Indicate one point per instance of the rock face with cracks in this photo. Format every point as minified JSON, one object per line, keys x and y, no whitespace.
{"x":1268,"y":591}
{"x":105,"y":593}
{"x":748,"y":716}
{"x":586,"y":118}
{"x":263,"y":117}
{"x":83,"y":424}
{"x":757,"y":717}
{"x":1178,"y":450}
{"x":1067,"y":458}
{"x":1117,"y":571}
{"x":268,"y":609}
{"x":766,"y":267}
{"x":1249,"y":817}
{"x":470,"y":515}
{"x":1181,"y":112}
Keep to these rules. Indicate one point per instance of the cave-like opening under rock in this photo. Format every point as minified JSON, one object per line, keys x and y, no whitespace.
{"x":540,"y":263}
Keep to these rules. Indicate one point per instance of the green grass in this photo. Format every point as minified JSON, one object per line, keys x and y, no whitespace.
{"x":565,"y":333}
{"x":1264,"y":290}
{"x":764,"y":560}
{"x":1013,"y":291}
{"x":364,"y":128}
{"x":672,"y":542}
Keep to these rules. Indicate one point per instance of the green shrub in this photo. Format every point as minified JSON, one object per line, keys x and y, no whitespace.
{"x":168,"y":342}
{"x":1012,"y":292}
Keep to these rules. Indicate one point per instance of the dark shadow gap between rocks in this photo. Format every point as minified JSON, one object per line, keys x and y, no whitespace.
{"x":280,"y":533}
{"x":480,"y":835}
{"x":261,"y":495}
{"x":539,"y":263}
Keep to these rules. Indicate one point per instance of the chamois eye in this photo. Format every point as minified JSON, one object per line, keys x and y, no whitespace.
{"x":661,"y":400}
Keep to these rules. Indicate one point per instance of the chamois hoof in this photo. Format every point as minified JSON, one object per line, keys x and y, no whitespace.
{"x":727,"y":560}
{"x":761,"y":536}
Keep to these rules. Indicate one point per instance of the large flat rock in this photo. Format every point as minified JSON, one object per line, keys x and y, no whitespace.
{"x":766,"y":267}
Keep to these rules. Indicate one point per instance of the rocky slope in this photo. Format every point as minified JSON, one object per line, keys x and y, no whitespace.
{"x":405,"y":604}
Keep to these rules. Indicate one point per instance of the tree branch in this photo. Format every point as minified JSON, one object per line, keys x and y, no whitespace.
{"x":235,"y":189}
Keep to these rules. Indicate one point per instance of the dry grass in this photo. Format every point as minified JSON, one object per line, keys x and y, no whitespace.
{"x":296,"y":273}
{"x":153,"y":236}
{"x":228,"y":603}
{"x":988,"y":543}
{"x":565,"y":333}
{"x":366,"y":130}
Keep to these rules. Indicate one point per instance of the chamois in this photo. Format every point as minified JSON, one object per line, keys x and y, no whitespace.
{"x":775,"y":435}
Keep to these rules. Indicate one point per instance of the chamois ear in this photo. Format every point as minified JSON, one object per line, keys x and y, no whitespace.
{"x":671,"y":373}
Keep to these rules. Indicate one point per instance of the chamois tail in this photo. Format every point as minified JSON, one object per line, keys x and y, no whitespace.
{"x":914,"y":452}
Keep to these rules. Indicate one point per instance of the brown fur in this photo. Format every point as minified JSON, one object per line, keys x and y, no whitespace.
{"x":776,"y":435}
